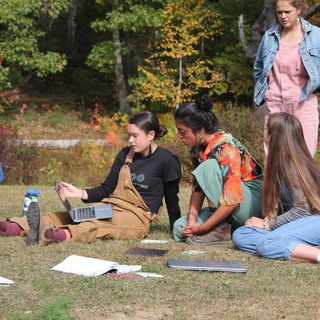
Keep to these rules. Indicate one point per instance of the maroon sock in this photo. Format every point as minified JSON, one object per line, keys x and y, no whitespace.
{"x":3,"y":226}
{"x":56,"y":235}
{"x":10,"y":228}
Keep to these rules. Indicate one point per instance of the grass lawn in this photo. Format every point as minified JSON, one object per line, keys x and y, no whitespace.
{"x":269,"y":290}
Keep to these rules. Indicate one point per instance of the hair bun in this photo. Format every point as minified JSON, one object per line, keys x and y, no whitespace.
{"x":205,"y":103}
{"x":162,"y":131}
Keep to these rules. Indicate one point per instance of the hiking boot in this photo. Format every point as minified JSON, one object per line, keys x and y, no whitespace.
{"x":33,"y":218}
{"x":218,"y":235}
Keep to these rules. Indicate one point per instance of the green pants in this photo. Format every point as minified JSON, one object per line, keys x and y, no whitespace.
{"x":210,"y":178}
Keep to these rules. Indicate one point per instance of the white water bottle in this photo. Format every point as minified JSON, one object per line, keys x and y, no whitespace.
{"x":31,"y":195}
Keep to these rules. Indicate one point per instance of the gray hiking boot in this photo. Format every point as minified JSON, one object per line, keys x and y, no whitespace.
{"x":218,"y":235}
{"x":33,"y":217}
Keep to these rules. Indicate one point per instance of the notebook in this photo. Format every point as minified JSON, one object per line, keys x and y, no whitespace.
{"x":92,"y":267}
{"x":93,"y":212}
{"x":136,"y":251}
{"x":201,"y":265}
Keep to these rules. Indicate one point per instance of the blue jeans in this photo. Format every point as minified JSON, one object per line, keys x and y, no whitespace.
{"x":279,"y":243}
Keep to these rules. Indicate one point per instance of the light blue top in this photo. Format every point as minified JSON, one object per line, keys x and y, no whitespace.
{"x":1,"y":174}
{"x":268,"y":49}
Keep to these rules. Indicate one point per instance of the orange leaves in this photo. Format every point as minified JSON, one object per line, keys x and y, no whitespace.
{"x":112,"y":136}
{"x":101,"y":123}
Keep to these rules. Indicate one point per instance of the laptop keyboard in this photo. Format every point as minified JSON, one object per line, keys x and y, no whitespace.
{"x":85,"y":213}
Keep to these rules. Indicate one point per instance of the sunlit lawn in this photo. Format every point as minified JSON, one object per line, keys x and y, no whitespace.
{"x":269,"y":290}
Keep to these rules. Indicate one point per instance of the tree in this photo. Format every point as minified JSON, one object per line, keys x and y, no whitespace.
{"x":179,"y":68}
{"x":20,"y":51}
{"x":312,"y":12}
{"x":237,"y":81}
{"x":123,"y":17}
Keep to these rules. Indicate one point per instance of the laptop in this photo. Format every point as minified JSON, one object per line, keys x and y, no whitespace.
{"x":93,"y":212}
{"x":201,"y":265}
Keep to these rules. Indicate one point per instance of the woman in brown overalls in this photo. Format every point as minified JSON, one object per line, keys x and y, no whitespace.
{"x":140,"y":177}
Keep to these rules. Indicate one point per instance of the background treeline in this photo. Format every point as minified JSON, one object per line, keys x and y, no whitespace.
{"x":126,"y":54}
{"x":132,"y":53}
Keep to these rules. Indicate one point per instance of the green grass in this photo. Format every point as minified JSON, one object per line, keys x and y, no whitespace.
{"x":269,"y":290}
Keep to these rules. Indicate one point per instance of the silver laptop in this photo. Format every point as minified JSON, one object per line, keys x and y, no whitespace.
{"x":201,"y":265}
{"x":93,"y":212}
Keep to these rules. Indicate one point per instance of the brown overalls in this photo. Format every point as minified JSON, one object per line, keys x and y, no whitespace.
{"x":131,"y":216}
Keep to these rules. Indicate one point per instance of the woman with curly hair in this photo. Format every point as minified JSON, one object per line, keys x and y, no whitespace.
{"x":287,"y":69}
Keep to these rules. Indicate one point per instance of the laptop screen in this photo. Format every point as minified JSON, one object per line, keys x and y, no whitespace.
{"x":63,"y":197}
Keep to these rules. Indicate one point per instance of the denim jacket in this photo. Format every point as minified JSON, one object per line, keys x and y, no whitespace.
{"x":268,"y":49}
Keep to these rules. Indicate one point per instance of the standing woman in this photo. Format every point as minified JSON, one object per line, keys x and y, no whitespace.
{"x":287,"y":69}
{"x":224,"y":173}
{"x":141,"y":175}
{"x":291,"y":198}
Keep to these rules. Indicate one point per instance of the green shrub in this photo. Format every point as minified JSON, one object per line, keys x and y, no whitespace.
{"x":87,"y":164}
{"x":84,"y":164}
{"x":245,"y":126}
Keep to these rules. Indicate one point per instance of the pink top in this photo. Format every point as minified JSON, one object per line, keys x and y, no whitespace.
{"x":288,"y":75}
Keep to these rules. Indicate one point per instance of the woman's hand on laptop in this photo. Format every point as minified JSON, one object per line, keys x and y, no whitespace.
{"x":70,"y":191}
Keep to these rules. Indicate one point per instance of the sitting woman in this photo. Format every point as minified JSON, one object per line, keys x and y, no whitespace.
{"x":291,"y":197}
{"x":224,"y":173}
{"x":140,"y":177}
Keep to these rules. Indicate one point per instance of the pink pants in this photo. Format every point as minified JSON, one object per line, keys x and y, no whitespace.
{"x":306,"y":111}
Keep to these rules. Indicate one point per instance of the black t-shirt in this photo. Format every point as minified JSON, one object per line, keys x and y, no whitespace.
{"x":150,"y":175}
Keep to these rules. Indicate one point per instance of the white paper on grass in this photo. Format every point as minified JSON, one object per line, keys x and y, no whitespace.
{"x":123,"y":268}
{"x":149,"y":275}
{"x":154,"y":241}
{"x":189,"y":252}
{"x":85,"y":266}
{"x":91,"y":267}
{"x":5,"y":281}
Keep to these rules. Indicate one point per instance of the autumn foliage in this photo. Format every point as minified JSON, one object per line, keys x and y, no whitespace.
{"x":179,"y":67}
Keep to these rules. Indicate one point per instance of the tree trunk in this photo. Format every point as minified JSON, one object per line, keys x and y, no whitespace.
{"x":119,"y":72}
{"x":179,"y":83}
{"x":266,"y":19}
{"x":242,"y":35}
{"x":311,"y":11}
{"x":72,"y":13}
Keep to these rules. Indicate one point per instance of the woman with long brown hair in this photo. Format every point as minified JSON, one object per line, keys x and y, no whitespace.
{"x":291,"y":197}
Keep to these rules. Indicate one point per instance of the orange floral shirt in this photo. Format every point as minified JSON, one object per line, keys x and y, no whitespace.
{"x":236,"y":164}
